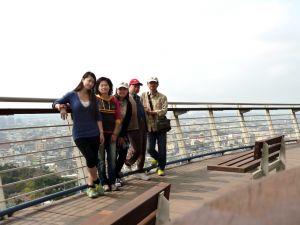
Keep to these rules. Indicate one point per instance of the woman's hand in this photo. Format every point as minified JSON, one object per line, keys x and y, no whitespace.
{"x":113,"y":138}
{"x":62,"y":108}
{"x":121,"y":141}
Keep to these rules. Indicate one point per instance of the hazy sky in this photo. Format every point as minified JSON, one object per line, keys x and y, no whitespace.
{"x":217,"y":50}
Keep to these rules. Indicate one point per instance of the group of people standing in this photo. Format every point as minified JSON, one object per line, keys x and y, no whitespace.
{"x":115,"y":128}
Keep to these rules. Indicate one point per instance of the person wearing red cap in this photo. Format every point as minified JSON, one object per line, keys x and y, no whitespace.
{"x":136,"y":82}
{"x":137,"y":132}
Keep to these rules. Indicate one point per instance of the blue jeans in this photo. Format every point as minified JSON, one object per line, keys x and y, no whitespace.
{"x":110,"y":149}
{"x":161,"y":154}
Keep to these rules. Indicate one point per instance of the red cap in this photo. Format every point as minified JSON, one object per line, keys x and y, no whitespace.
{"x":135,"y":81}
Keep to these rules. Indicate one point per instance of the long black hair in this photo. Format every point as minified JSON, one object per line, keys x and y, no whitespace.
{"x":91,"y":93}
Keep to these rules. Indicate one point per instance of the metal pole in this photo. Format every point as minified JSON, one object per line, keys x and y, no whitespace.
{"x":270,"y":124}
{"x":179,"y":135}
{"x":213,"y":129}
{"x":2,"y":196}
{"x":295,"y":124}
{"x":245,"y":133}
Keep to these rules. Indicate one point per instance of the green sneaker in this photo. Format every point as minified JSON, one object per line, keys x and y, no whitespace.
{"x":91,"y":192}
{"x":154,"y":162}
{"x":99,"y":189}
{"x":160,"y":172}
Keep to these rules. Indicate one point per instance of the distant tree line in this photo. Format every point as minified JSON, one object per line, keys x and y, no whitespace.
{"x":29,"y":186}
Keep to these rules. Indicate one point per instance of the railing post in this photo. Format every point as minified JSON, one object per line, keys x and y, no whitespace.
{"x":2,"y":197}
{"x":295,"y":123}
{"x":80,"y":163}
{"x":245,"y":133}
{"x":213,"y":129}
{"x":179,"y":135}
{"x":270,"y":124}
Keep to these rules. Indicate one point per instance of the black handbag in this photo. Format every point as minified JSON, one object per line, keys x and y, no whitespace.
{"x":163,"y":124}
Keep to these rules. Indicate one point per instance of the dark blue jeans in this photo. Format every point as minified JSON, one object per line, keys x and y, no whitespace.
{"x":161,"y":154}
{"x":110,"y":150}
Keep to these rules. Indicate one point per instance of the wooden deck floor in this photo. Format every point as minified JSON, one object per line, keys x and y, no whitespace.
{"x":191,"y":186}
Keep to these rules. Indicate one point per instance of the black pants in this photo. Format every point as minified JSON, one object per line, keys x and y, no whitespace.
{"x":121,"y":157}
{"x":89,"y":147}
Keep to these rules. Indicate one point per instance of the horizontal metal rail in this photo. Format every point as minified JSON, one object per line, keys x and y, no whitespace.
{"x":11,"y":210}
{"x":35,"y":178}
{"x":44,"y":100}
{"x":41,"y":190}
{"x":38,"y":165}
{"x":29,"y":128}
{"x":37,"y":139}
{"x":35,"y":152}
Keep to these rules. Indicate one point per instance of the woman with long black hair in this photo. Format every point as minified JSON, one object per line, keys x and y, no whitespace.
{"x":87,"y":126}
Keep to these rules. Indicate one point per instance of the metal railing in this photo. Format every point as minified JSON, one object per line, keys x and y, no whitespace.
{"x":39,"y":160}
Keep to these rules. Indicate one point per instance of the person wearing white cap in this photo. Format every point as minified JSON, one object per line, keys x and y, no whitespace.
{"x":156,"y":106}
{"x":122,"y":94}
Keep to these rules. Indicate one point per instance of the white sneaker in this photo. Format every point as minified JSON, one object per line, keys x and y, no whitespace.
{"x":114,"y":187}
{"x":142,"y":176}
{"x":118,"y":182}
{"x":106,"y":187}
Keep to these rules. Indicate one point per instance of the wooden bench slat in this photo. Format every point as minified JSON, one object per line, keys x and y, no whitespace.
{"x":259,"y":144}
{"x":137,"y":210}
{"x":149,"y":220}
{"x":248,"y":154}
{"x":238,"y":161}
{"x":242,"y":167}
{"x":274,"y":148}
{"x":250,"y":160}
{"x":246,"y":162}
{"x":248,"y":166}
{"x":226,"y":168}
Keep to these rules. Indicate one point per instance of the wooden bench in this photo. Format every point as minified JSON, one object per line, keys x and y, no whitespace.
{"x":271,"y":149}
{"x":274,"y":200}
{"x":142,"y":210}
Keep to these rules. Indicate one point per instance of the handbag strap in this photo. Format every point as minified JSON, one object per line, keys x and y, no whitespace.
{"x":150,"y":101}
{"x":151,"y":104}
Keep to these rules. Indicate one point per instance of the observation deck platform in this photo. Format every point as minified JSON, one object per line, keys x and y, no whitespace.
{"x":192,"y":185}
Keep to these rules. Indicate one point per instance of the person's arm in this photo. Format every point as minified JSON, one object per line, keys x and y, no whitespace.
{"x":100,"y":126}
{"x":164,"y":108}
{"x":100,"y":123}
{"x":118,"y":119}
{"x":61,"y":105}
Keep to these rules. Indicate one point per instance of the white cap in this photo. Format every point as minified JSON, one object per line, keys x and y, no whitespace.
{"x":122,"y":84}
{"x":152,"y":79}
